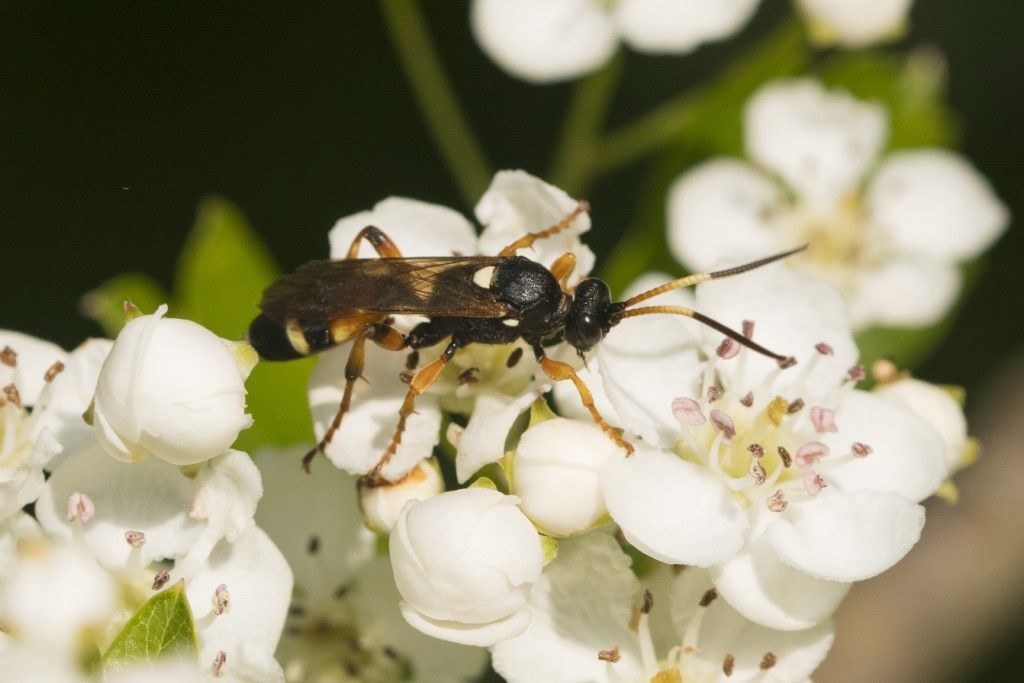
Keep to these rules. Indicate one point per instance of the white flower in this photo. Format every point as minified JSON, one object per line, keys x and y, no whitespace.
{"x":555,"y":475}
{"x":464,"y":562}
{"x":855,"y":24}
{"x":172,"y":389}
{"x":891,"y":245}
{"x":28,"y":367}
{"x":552,"y":40}
{"x":516,"y":203}
{"x":55,"y":596}
{"x":344,"y":616}
{"x":787,"y":484}
{"x":589,"y":623}
{"x":381,"y":503}
{"x":147,"y":524}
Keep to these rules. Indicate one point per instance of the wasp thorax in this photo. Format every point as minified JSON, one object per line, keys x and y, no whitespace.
{"x":588,"y":320}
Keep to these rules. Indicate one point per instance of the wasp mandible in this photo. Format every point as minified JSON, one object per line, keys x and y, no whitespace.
{"x":467,"y":300}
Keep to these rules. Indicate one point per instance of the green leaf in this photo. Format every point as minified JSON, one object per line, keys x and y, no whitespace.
{"x":163,"y":626}
{"x":222,"y":272}
{"x":105,"y":304}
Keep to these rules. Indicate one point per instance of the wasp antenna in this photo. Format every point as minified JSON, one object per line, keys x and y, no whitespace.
{"x":698,"y":278}
{"x":783,"y":361}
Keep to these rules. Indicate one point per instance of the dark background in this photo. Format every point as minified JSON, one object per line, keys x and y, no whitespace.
{"x":115,"y":121}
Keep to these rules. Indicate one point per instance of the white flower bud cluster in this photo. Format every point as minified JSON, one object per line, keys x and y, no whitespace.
{"x":107,"y":534}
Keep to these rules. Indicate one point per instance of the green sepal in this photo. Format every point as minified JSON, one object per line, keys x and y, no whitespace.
{"x":548,"y":547}
{"x":162,"y":627}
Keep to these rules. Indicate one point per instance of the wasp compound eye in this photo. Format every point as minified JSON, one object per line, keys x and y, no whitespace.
{"x":588,"y":320}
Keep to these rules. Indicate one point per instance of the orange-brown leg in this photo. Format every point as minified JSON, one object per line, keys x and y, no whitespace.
{"x":559,"y":372}
{"x":382,"y":335}
{"x":562,"y":268}
{"x":529,"y":238}
{"x":420,"y":382}
{"x":378,"y":240}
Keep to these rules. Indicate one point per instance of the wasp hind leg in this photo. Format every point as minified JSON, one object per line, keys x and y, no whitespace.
{"x":559,"y":371}
{"x":384,"y":336}
{"x":420,"y":382}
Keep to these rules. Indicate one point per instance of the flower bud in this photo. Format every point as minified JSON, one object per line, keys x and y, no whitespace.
{"x":464,"y":562}
{"x":172,"y":389}
{"x":556,"y":473}
{"x":381,"y":504}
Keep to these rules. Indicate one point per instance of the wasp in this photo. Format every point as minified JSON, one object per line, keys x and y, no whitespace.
{"x":467,"y":300}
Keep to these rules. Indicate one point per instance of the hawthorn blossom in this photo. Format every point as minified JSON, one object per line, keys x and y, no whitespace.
{"x":888,"y":233}
{"x":146,"y":525}
{"x":592,"y":620}
{"x":839,"y":22}
{"x":553,"y":40}
{"x":344,"y":619}
{"x":491,"y":383}
{"x":171,"y":389}
{"x":464,"y":562}
{"x":787,"y":484}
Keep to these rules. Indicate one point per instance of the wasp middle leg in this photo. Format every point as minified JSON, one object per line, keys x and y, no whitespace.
{"x":419,"y":383}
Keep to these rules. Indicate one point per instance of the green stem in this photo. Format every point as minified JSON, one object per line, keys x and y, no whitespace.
{"x":436,"y":98}
{"x":669,"y":121}
{"x":578,"y":143}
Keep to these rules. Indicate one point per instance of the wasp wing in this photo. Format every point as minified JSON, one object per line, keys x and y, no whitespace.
{"x":322,"y":291}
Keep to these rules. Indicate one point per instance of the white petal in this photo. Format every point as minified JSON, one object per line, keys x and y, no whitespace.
{"x":680,"y":25}
{"x":151,"y":496}
{"x":647,"y":361}
{"x":724,"y":631}
{"x":672,"y":510}
{"x":846,"y":536}
{"x":771,"y":593}
{"x":934,"y":203}
{"x":314,"y":519}
{"x":517,"y":203}
{"x":12,"y":530}
{"x":259,"y":582}
{"x":69,"y":396}
{"x":370,"y":423}
{"x":483,"y":440}
{"x":582,"y":604}
{"x":719,"y":210}
{"x":227,"y":490}
{"x":481,"y":635}
{"x":908,"y":456}
{"x":35,"y":357}
{"x":821,"y":142}
{"x":936,"y":406}
{"x":540,"y":40}
{"x":905,"y":293}
{"x":381,"y":624}
{"x":417,"y":228}
{"x":856,"y":24}
{"x":792,"y":312}
{"x":556,"y":475}
{"x":34,"y":663}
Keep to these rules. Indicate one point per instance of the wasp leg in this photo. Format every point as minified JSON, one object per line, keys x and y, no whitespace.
{"x":382,"y":335}
{"x":562,"y":268}
{"x":378,"y":240}
{"x":560,"y":371}
{"x":529,"y":238}
{"x":420,"y":382}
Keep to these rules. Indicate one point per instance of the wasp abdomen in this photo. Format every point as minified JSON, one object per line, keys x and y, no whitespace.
{"x":274,"y":341}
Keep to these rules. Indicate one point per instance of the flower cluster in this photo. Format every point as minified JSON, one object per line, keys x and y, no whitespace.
{"x":779,"y":484}
{"x":553,"y":40}
{"x":172,"y":509}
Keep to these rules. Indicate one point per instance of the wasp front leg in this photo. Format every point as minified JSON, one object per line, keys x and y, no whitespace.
{"x":529,"y":238}
{"x":420,"y":382}
{"x":559,"y":372}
